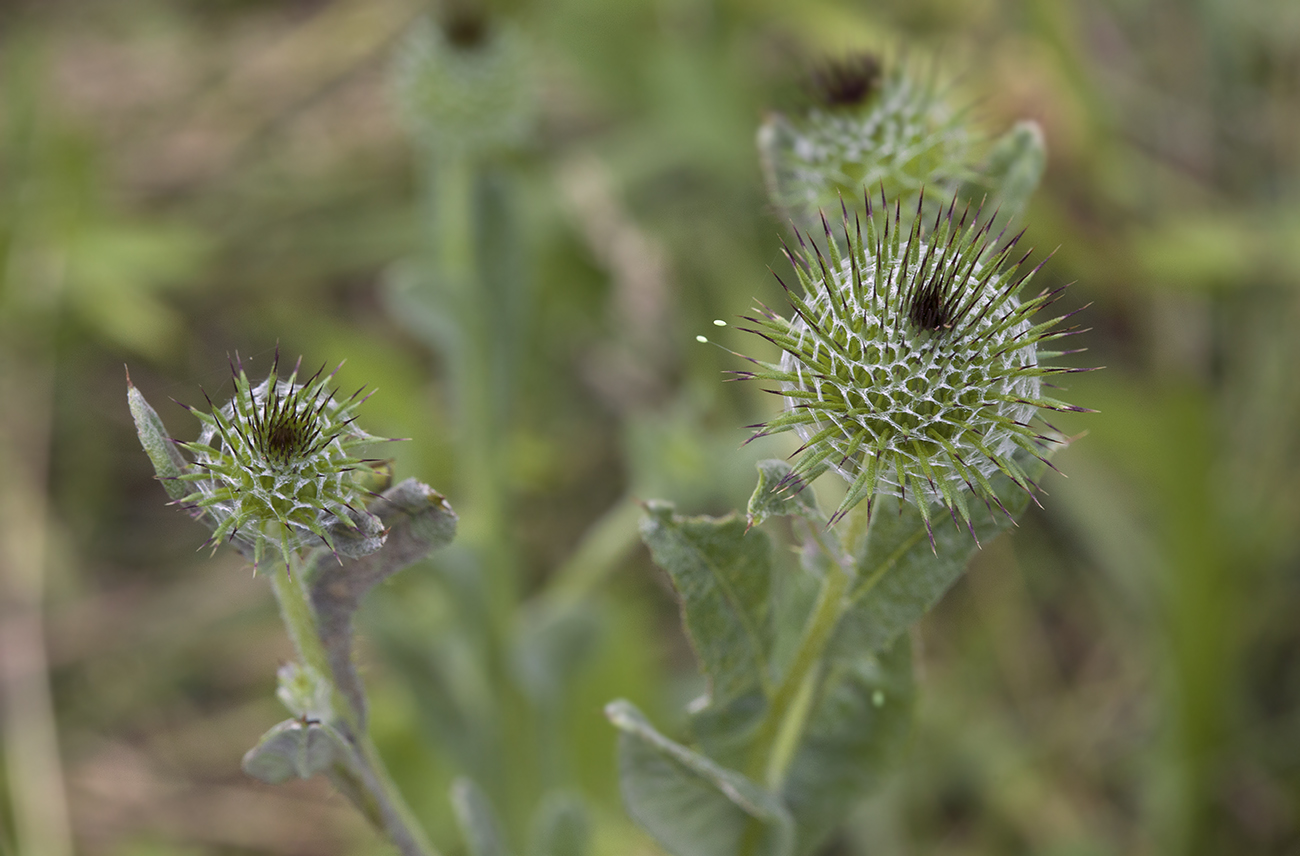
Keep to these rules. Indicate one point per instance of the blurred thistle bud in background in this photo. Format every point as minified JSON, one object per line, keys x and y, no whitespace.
{"x":893,"y":130}
{"x":465,"y":85}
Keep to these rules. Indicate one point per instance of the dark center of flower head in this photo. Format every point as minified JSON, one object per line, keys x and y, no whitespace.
{"x":465,"y":27}
{"x":928,"y":307}
{"x":845,"y":82}
{"x":287,"y":429}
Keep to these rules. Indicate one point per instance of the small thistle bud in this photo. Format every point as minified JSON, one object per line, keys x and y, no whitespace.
{"x":910,"y":366}
{"x":275,"y":466}
{"x":867,"y":128}
{"x":466,"y":88}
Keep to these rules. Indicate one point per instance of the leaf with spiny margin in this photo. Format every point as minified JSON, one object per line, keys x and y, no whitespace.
{"x":690,"y":804}
{"x":855,"y":735}
{"x":722,"y":574}
{"x":560,"y":827}
{"x":901,"y":577}
{"x":166,"y":458}
{"x":294,"y":747}
{"x":477,"y":820}
{"x":778,"y":494}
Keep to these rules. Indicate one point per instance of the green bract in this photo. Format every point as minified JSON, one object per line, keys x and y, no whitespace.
{"x":910,"y":366}
{"x":274,"y":465}
{"x":868,"y":128}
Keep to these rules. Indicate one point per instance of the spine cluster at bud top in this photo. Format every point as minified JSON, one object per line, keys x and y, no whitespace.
{"x":910,"y":366}
{"x":275,"y":466}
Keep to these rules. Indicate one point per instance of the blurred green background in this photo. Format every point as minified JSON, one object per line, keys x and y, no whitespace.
{"x":182,"y":180}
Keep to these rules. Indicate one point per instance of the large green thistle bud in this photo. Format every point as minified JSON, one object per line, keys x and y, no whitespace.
{"x":275,"y":466}
{"x":911,"y":366}
{"x":867,"y":127}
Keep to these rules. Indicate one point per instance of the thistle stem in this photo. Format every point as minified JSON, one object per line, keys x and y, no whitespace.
{"x":782,"y":727}
{"x":365,"y":780}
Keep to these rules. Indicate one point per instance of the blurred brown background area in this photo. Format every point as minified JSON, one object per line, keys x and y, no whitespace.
{"x":182,"y":180}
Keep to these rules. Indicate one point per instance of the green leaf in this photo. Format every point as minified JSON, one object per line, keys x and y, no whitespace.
{"x":552,"y":645}
{"x":1011,"y":173}
{"x":900,"y":577}
{"x":722,"y":575}
{"x":854,"y":736}
{"x":560,"y":827}
{"x":294,"y":747}
{"x":478,"y":821}
{"x":775,"y":498}
{"x":166,"y":458}
{"x":689,"y":803}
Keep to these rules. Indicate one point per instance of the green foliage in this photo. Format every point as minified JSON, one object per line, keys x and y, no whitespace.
{"x":181,"y":180}
{"x":295,"y":748}
{"x":693,"y":806}
{"x":900,"y":576}
{"x":560,"y":827}
{"x":723,"y":576}
{"x":478,"y":821}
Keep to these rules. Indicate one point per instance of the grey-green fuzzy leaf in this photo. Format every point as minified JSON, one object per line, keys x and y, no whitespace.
{"x":722,"y":574}
{"x":689,"y":803}
{"x":900,"y":577}
{"x":855,"y":734}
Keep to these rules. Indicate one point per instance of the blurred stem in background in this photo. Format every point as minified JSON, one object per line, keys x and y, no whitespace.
{"x":33,"y":266}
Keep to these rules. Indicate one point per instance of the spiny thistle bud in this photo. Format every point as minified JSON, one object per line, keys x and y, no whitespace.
{"x":867,"y":128}
{"x":275,"y":466}
{"x":911,"y":366}
{"x":466,"y":87}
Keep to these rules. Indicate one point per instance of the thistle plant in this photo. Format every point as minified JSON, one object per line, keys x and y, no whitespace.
{"x":913,"y":366}
{"x":275,"y":470}
{"x":910,"y":366}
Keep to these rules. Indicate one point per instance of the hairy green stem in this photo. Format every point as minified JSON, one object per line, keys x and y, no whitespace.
{"x":300,"y":620}
{"x":365,"y":780}
{"x":782,"y":726}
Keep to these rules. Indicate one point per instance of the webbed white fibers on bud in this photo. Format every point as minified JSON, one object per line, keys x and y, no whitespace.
{"x":910,"y":366}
